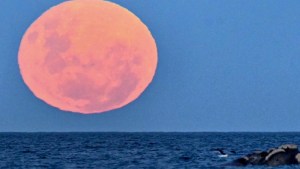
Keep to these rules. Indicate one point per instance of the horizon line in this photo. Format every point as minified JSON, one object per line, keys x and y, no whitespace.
{"x":149,"y":131}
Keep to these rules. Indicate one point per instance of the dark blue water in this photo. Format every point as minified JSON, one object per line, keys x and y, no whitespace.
{"x":132,"y":150}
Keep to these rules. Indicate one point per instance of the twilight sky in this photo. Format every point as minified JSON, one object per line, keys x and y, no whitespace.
{"x":223,"y":66}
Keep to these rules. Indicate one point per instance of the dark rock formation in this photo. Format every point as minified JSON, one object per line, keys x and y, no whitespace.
{"x":283,"y":155}
{"x":298,"y":158}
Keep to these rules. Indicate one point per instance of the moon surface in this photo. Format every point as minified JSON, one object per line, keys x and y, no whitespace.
{"x":87,"y":56}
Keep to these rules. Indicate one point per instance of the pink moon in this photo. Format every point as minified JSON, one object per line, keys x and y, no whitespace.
{"x":87,"y":56}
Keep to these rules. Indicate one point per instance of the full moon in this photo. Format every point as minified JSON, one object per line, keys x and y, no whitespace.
{"x":87,"y":56}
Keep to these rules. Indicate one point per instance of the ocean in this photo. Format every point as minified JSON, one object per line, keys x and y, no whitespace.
{"x":133,"y":150}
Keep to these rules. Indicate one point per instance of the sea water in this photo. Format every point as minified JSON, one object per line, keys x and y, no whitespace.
{"x":133,"y":150}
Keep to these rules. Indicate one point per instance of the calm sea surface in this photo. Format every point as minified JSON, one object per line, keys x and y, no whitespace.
{"x":132,"y":150}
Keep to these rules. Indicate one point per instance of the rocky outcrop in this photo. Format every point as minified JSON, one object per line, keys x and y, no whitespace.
{"x":283,"y":155}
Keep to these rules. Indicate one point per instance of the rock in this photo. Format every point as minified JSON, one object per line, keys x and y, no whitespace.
{"x":288,"y":157}
{"x":257,"y":158}
{"x":291,"y":149}
{"x":284,"y":155}
{"x":298,"y":158}
{"x":288,"y":146}
{"x":243,"y":161}
{"x":277,"y":157}
{"x":270,"y":150}
{"x":274,"y":152}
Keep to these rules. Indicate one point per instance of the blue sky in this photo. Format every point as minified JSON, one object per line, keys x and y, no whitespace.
{"x":223,"y":66}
